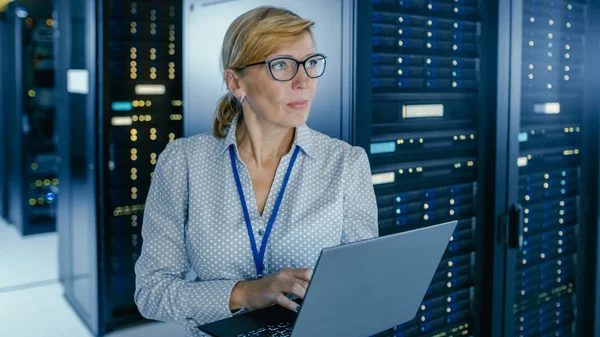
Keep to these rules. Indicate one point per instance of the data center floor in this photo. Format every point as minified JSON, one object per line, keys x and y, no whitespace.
{"x":32,"y":298}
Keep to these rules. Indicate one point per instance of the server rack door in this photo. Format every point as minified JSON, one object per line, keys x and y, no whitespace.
{"x":140,"y":111}
{"x":547,"y":77}
{"x":78,"y":257}
{"x":426,"y":102}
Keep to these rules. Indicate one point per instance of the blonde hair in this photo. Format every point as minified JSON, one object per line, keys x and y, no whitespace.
{"x":250,"y":38}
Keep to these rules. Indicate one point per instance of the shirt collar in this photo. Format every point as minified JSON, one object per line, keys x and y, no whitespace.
{"x":302,"y":138}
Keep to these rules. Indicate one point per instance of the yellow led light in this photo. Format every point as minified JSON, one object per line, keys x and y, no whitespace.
{"x":134,"y":118}
{"x":133,"y":157}
{"x":32,"y":202}
{"x":49,"y":22}
{"x":426,"y":206}
{"x":133,"y":56}
{"x":148,"y":117}
{"x":34,"y":166}
{"x":153,"y":57}
{"x":153,"y":161}
{"x":55,"y":181}
{"x":171,"y":135}
{"x":47,"y":182}
{"x":171,"y":76}
{"x":153,"y":137}
{"x":133,"y":76}
{"x":133,"y":138}
{"x":153,"y":155}
{"x":31,"y":93}
{"x":153,"y":76}
{"x":452,"y":201}
{"x":133,"y":30}
{"x":148,"y":103}
{"x":38,"y":183}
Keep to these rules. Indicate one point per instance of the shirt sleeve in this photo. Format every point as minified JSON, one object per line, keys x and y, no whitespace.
{"x":360,"y":205}
{"x":162,"y":292}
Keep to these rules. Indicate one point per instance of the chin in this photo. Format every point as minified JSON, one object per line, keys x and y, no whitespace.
{"x":295,"y":118}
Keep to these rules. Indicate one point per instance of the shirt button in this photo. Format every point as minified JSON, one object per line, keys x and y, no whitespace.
{"x":261,"y":232}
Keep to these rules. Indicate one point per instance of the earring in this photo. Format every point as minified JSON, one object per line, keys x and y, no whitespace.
{"x":240,"y":100}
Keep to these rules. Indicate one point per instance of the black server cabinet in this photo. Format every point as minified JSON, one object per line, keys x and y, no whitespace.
{"x":121,"y":64}
{"x":30,"y":158}
{"x":426,"y":85}
{"x":547,"y":283}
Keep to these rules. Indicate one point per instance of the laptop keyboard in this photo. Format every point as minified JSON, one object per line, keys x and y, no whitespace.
{"x":276,"y":330}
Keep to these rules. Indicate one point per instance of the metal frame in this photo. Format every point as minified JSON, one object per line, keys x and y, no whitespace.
{"x":588,"y":301}
{"x":512,"y":147}
{"x":492,"y":175}
{"x":3,"y":121}
{"x":362,"y":93}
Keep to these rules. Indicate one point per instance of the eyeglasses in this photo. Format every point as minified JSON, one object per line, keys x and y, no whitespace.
{"x":285,"y":68}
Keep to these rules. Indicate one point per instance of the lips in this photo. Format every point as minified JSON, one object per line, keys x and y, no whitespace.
{"x":298,"y":104}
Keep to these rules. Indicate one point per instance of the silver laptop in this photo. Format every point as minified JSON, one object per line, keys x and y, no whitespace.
{"x":358,"y":289}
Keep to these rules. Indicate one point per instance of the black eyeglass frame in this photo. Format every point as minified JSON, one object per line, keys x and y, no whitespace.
{"x":298,"y":64}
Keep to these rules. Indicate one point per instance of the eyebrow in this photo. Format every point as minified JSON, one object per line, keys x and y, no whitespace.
{"x":286,"y":55}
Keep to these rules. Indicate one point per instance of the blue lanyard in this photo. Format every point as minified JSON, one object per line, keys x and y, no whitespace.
{"x":260,"y":256}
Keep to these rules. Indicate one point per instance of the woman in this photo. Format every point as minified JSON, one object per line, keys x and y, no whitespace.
{"x":262,"y":172}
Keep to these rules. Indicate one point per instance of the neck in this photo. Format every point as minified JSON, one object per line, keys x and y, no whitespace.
{"x":263,"y":141}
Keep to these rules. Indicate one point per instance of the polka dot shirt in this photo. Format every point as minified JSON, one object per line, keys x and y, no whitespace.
{"x":194,"y":221}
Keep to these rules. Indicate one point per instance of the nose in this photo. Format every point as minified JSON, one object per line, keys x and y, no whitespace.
{"x":301,"y":81}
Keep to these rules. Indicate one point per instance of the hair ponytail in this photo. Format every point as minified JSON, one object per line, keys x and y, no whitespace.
{"x":227,"y":107}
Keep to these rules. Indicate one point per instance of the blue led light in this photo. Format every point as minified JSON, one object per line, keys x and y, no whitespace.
{"x":50,"y":196}
{"x":121,"y":106}
{"x":523,"y":137}
{"x":386,"y":147}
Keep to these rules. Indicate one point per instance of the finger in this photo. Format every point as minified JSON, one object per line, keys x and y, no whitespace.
{"x":296,"y":289}
{"x":285,"y":302}
{"x":302,"y":273}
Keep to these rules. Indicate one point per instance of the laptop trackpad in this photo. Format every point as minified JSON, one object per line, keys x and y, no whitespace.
{"x":250,"y":321}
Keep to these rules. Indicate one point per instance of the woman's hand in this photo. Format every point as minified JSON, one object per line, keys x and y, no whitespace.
{"x":274,"y":289}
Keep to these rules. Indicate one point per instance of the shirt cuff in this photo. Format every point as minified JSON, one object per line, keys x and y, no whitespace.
{"x":207,"y":301}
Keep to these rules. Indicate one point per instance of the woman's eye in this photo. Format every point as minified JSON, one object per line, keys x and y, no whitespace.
{"x":278,"y":65}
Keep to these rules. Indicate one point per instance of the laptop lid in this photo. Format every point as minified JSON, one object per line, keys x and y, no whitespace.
{"x":366,"y":287}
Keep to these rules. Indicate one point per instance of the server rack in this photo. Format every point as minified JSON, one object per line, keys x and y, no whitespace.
{"x":121,"y":75}
{"x":446,"y":74}
{"x":547,"y":281}
{"x":426,"y":102}
{"x":31,"y":161}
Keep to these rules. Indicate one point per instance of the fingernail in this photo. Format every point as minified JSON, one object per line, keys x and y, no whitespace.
{"x":298,"y":309}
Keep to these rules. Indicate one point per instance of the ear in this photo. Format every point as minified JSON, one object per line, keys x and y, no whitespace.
{"x":235,"y":84}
